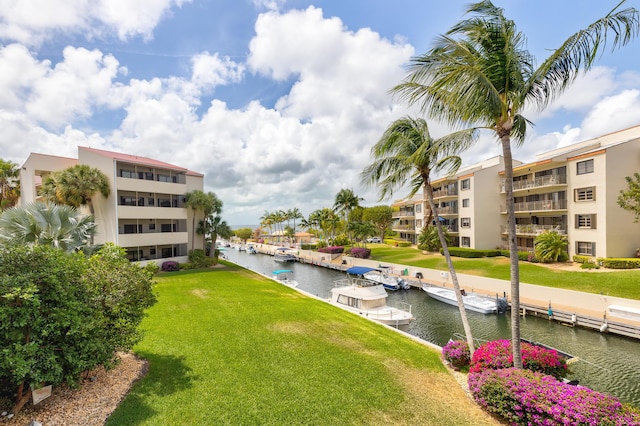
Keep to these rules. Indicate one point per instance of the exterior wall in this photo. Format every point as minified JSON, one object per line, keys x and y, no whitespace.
{"x":485,"y":207}
{"x":35,"y":167}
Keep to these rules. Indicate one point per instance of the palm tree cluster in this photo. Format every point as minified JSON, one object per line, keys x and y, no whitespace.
{"x":211,"y":225}
{"x":9,"y":184}
{"x":480,"y":76}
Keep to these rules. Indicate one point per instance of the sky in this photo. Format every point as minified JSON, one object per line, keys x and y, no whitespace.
{"x":276,"y":102}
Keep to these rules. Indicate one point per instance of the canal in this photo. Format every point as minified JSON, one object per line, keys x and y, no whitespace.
{"x":605,"y":363}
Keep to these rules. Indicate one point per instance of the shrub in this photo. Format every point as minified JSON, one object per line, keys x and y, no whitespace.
{"x":582,"y":259}
{"x":523,"y":397}
{"x":404,"y":243}
{"x":152,"y":268}
{"x":497,"y":354}
{"x":589,"y":265}
{"x":360,"y":253}
{"x":457,"y":353}
{"x":170,"y":266}
{"x":199,"y":259}
{"x":331,"y":249}
{"x":341,"y":240}
{"x":620,"y":263}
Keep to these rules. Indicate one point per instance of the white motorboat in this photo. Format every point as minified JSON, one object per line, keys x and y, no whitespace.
{"x":369,"y":299}
{"x":251,"y":250}
{"x":472,"y":301}
{"x":388,"y":281}
{"x":285,"y":276}
{"x":284,"y":255}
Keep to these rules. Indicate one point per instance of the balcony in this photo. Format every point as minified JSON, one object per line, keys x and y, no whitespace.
{"x":533,"y":206}
{"x":405,"y":214}
{"x":539,"y":182}
{"x":445,"y":192}
{"x":535,"y":229}
{"x":447,"y":210}
{"x":404,"y":228}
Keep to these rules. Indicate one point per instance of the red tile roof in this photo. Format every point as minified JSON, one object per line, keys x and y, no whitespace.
{"x":138,"y":160}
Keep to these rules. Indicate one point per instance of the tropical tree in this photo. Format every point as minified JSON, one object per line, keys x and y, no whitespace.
{"x":213,"y":226}
{"x":243,"y":233}
{"x":361,"y":231}
{"x":294,"y":214}
{"x":480,"y":74}
{"x":629,"y":198}
{"x":429,"y":239}
{"x":550,"y":246}
{"x":39,"y":223}
{"x":406,"y":152}
{"x":380,"y":216}
{"x":75,"y":186}
{"x":197,"y":201}
{"x":9,"y":184}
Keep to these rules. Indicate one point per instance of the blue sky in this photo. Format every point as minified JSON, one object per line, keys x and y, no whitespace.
{"x":277,"y":102}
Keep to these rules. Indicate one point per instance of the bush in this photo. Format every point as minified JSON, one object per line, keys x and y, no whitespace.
{"x":170,"y":266}
{"x":360,"y":253}
{"x":457,"y":353}
{"x":331,"y":249}
{"x":620,"y":263}
{"x":404,"y":243}
{"x":308,"y":246}
{"x":523,"y":397}
{"x":152,"y":268}
{"x":341,"y":240}
{"x":497,"y":354}
{"x":589,"y":265}
{"x":465,"y":252}
{"x":582,"y":259}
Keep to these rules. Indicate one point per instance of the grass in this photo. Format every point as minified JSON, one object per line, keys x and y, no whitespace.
{"x":227,"y":346}
{"x":618,"y":283}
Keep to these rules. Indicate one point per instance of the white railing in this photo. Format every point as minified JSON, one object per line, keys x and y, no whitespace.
{"x":538,"y":182}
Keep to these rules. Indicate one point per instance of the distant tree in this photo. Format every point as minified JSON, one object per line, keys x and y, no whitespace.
{"x":9,"y":184}
{"x":75,"y":186}
{"x":550,"y":246}
{"x":381,"y":217}
{"x":53,"y":225}
{"x":243,"y":233}
{"x":629,"y":198}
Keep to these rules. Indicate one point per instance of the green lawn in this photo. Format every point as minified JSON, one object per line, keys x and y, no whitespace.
{"x":228,"y":347}
{"x":619,"y":283}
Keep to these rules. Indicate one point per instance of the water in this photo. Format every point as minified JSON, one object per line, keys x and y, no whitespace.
{"x":606,"y":363}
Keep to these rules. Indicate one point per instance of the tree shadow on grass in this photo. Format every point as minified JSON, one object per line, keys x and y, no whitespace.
{"x":167,"y":374}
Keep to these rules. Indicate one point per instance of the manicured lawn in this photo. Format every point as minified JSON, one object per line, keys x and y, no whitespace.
{"x":619,"y":283}
{"x":228,"y":347}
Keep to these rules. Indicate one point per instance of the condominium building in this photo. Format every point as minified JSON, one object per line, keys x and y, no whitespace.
{"x":145,"y":212}
{"x":572,"y":190}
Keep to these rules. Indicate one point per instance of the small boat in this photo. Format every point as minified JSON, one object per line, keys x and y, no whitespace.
{"x":389,"y":282}
{"x":251,"y":250}
{"x":285,"y":276}
{"x":472,"y":301}
{"x":369,"y":299}
{"x":284,"y":255}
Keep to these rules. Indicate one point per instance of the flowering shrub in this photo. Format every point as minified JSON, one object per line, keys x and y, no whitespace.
{"x":497,"y":354}
{"x":523,"y":397}
{"x":361,"y":253}
{"x":456,"y":352}
{"x":170,"y":265}
{"x":331,"y":249}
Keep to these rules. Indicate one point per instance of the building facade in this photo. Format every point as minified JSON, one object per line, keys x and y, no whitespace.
{"x":145,"y":212}
{"x":571,"y":190}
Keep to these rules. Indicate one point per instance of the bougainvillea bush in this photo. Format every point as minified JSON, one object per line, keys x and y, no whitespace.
{"x":170,"y":265}
{"x":331,"y":249}
{"x":497,"y":354}
{"x":360,"y":253}
{"x":457,"y":353}
{"x":523,"y":397}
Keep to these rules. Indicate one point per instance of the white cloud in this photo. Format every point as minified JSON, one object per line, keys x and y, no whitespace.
{"x":210,"y":71}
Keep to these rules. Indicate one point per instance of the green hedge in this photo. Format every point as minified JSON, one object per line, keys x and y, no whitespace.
{"x":583,"y":259}
{"x":619,"y":263}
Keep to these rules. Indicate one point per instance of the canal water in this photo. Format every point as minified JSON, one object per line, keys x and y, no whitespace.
{"x":606,"y":363}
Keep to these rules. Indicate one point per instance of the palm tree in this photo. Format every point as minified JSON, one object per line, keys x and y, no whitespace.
{"x":294,"y":214}
{"x":197,"y":201}
{"x":38,"y":223}
{"x":406,"y":152}
{"x":346,"y":201}
{"x":9,"y":184}
{"x":551,"y":246}
{"x":480,"y":74}
{"x":75,"y":186}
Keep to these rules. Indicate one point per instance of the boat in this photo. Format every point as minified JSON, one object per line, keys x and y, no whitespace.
{"x":251,"y":250}
{"x":389,"y":282}
{"x":285,"y":276}
{"x":369,"y":299}
{"x":472,"y":301}
{"x":284,"y":255}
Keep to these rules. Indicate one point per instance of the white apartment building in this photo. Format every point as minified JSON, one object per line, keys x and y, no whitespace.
{"x":572,"y":190}
{"x":145,"y":212}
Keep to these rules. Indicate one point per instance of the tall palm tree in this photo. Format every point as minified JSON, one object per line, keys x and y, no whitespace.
{"x":75,"y":186}
{"x":346,"y":200}
{"x":294,"y":214}
{"x":9,"y":184}
{"x":197,"y":201}
{"x":480,"y":74}
{"x":406,"y":152}
{"x":38,"y":223}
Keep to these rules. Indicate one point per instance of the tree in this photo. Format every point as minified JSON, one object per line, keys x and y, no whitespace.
{"x":213,"y":225}
{"x":381,"y":217}
{"x":429,"y":239}
{"x":243,"y":233}
{"x":75,"y":186}
{"x":550,"y":246}
{"x":480,"y":74}
{"x":294,"y":214}
{"x":53,"y":225}
{"x":361,"y":231}
{"x":197,"y":201}
{"x":345,"y":202}
{"x":406,"y":152}
{"x":629,"y":199}
{"x":9,"y":184}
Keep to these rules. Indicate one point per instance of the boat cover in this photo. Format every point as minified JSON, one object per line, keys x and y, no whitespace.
{"x":360,"y":270}
{"x":282,"y":271}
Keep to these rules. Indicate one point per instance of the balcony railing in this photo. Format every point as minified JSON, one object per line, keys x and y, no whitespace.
{"x":520,"y":248}
{"x":403,"y":213}
{"x":445,"y":192}
{"x":536,"y":182}
{"x":545,"y":205}
{"x":448,"y":210}
{"x":535,"y":229}
{"x":404,"y":227}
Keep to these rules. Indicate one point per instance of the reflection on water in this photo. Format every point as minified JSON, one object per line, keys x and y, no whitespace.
{"x":607,"y":363}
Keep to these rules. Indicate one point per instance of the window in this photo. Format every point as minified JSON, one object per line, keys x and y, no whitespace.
{"x":167,"y":252}
{"x":152,"y":227}
{"x":418,"y":223}
{"x":128,"y":174}
{"x":585,"y":167}
{"x":418,"y":208}
{"x":465,"y":222}
{"x":584,"y":194}
{"x":166,"y":227}
{"x":585,"y":248}
{"x":465,"y":184}
{"x":587,"y":221}
{"x":465,"y":241}
{"x":132,"y":229}
{"x":465,"y":202}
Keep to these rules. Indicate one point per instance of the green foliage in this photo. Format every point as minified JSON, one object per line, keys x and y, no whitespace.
{"x":589,"y":265}
{"x":582,"y":259}
{"x":430,"y":241}
{"x":629,"y":199}
{"x":243,"y":233}
{"x":75,"y":186}
{"x":550,"y":246}
{"x":198,"y":259}
{"x":380,"y":216}
{"x":62,"y":314}
{"x":341,"y":240}
{"x":9,"y":184}
{"x":623,"y":263}
{"x":404,"y":244}
{"x":152,"y":268}
{"x":465,"y":252}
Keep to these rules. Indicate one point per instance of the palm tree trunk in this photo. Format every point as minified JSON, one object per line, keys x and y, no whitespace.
{"x":513,"y":252}
{"x":452,"y":270}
